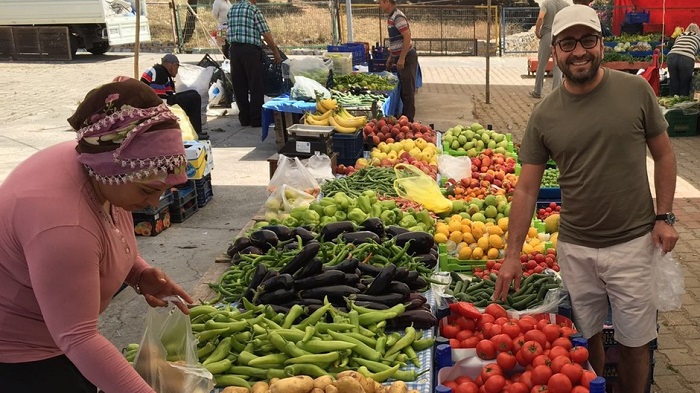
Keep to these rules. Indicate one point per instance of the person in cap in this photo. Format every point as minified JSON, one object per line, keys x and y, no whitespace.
{"x":681,"y":61}
{"x":597,"y":127}
{"x":67,"y":242}
{"x":160,"y":78}
{"x":543,"y":32}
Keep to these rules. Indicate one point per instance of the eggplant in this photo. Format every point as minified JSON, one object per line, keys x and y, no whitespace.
{"x":283,"y":232}
{"x":285,"y":281}
{"x":373,"y":224}
{"x":257,"y":278}
{"x":382,"y":281}
{"x":291,"y":246}
{"x":413,"y":304}
{"x":360,"y":237}
{"x":333,"y":292}
{"x":331,"y":277}
{"x":401,"y":274}
{"x":362,"y":287}
{"x":419,"y":318}
{"x":416,"y":295}
{"x":303,"y":302}
{"x":420,"y":242}
{"x":389,"y":299}
{"x":418,"y":284}
{"x":352,"y":279}
{"x":248,"y":250}
{"x":314,"y":267}
{"x":369,"y":269}
{"x":395,"y":230}
{"x":277,"y":296}
{"x":372,"y":305}
{"x":264,"y":239}
{"x":302,"y":258}
{"x":280,"y":309}
{"x":305,"y":234}
{"x":348,"y":266}
{"x":334,"y":229}
{"x":429,"y":260}
{"x":237,"y":245}
{"x":400,"y":287}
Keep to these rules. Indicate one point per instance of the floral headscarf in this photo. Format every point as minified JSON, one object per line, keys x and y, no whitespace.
{"x":126,"y":134}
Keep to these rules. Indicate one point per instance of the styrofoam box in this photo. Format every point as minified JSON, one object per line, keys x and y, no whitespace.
{"x":342,"y":62}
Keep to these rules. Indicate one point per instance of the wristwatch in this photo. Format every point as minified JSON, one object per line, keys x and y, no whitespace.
{"x":669,"y":218}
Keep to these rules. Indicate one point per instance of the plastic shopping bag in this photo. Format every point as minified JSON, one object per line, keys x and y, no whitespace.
{"x":669,"y":283}
{"x":292,"y":172}
{"x":188,"y":132}
{"x":311,"y":67}
{"x":411,"y":183}
{"x":319,"y":165}
{"x":454,"y":167}
{"x":306,"y":89}
{"x":167,"y":357}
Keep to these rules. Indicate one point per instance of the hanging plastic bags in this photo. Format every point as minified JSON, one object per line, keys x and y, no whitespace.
{"x":292,"y":172}
{"x":411,"y":183}
{"x":669,"y":283}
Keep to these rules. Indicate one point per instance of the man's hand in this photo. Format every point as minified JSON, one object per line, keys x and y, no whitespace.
{"x":538,"y":35}
{"x":665,"y":236}
{"x":389,"y":63}
{"x":155,"y":285}
{"x":400,"y":64}
{"x":510,"y":271}
{"x":278,"y":58}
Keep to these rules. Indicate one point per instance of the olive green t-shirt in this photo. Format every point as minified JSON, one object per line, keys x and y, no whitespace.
{"x":598,"y":141}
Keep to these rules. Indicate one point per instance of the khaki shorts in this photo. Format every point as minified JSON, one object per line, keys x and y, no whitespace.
{"x":622,"y":273}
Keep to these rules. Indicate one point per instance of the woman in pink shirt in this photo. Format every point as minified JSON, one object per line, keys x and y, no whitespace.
{"x":67,"y":242}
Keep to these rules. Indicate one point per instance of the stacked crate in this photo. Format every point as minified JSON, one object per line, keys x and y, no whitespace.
{"x":151,"y":221}
{"x":184,"y":202}
{"x":204,"y":190}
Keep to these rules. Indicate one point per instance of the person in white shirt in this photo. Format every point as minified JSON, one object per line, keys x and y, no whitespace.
{"x":220,"y":10}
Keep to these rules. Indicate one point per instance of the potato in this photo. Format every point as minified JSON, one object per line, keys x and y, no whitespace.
{"x":322,"y":382}
{"x":398,"y":387}
{"x":273,"y":380}
{"x":366,"y":383}
{"x":379,"y":388}
{"x":260,"y":387}
{"x":348,"y":384}
{"x":235,"y":389}
{"x":331,"y":389}
{"x":297,"y":384}
{"x":317,"y":390}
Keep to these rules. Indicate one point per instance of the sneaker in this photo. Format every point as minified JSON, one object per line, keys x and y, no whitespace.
{"x":203,"y":136}
{"x":534,"y":95}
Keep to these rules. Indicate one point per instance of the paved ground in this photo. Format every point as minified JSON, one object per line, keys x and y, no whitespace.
{"x":39,"y":97}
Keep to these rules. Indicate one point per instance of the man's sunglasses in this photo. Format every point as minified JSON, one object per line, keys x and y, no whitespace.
{"x":587,"y":42}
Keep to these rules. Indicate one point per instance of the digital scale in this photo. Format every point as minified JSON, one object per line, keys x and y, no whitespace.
{"x":304,"y":140}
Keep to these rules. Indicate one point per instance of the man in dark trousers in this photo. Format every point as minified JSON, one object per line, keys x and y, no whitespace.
{"x":246,"y":25}
{"x":160,"y":78}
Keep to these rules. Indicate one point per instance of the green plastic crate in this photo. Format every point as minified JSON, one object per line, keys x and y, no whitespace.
{"x":680,"y":124}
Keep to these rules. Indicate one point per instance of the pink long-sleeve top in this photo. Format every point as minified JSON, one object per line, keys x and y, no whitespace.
{"x":61,"y":261}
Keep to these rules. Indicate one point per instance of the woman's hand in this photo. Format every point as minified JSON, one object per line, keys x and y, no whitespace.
{"x":155,"y":285}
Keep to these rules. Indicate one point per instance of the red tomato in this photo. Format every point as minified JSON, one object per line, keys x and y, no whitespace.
{"x":503,"y":342}
{"x":511,"y":328}
{"x":485,"y":318}
{"x":470,"y":342}
{"x":454,"y":343}
{"x":518,"y":342}
{"x":541,"y":374}
{"x":496,"y":310}
{"x":501,"y":321}
{"x":559,"y":362}
{"x":535,"y":335}
{"x":506,"y":361}
{"x":579,"y":389}
{"x":465,"y":323}
{"x":567,"y":331}
{"x":467,"y":387}
{"x":586,"y":378}
{"x":519,"y":387}
{"x":520,"y":359}
{"x":494,"y":384}
{"x":539,"y":389}
{"x":526,"y":378}
{"x":464,"y":334}
{"x":490,"y":370}
{"x":579,"y":354}
{"x":562,"y":342}
{"x":559,"y":383}
{"x":551,"y":332}
{"x":530,"y":350}
{"x":450,"y":384}
{"x":558,"y":351}
{"x":574,"y":371}
{"x":462,"y":379}
{"x":541,"y":323}
{"x":486,"y":349}
{"x":450,"y":331}
{"x":541,"y":359}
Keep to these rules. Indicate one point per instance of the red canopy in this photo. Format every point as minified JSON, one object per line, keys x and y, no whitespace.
{"x":678,"y":12}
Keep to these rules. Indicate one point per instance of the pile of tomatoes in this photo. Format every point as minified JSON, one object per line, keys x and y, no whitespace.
{"x":526,"y":355}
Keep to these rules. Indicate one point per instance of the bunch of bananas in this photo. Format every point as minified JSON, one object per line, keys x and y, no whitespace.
{"x":330,"y":114}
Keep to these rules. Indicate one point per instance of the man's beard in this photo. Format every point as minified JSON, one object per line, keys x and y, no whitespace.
{"x":585,"y":77}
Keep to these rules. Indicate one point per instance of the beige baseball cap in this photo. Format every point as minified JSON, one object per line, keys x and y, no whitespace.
{"x":575,"y":15}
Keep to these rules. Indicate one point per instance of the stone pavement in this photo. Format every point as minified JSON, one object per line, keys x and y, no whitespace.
{"x":677,"y":359}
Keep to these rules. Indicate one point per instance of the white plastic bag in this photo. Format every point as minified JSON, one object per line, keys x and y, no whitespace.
{"x":311,"y":67}
{"x":456,"y":168}
{"x":192,"y":77}
{"x":167,"y":357}
{"x":216,"y":93}
{"x":280,"y":203}
{"x":306,"y":89}
{"x":292,"y":172}
{"x":669,"y":283}
{"x":319,"y":165}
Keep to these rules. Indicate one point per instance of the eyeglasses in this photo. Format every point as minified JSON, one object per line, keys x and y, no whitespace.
{"x":587,"y":42}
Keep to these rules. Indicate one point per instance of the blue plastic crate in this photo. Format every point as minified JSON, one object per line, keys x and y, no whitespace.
{"x":357,"y":50}
{"x":376,"y":65}
{"x":634,"y":18}
{"x":205,"y":191}
{"x":165,"y":200}
{"x":549,"y":193}
{"x":348,"y":146}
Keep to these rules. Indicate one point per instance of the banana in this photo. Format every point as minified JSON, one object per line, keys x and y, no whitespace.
{"x":322,"y":116}
{"x":314,"y":121}
{"x":340,"y":128}
{"x":329,"y":104}
{"x":320,"y":108}
{"x":353,"y":122}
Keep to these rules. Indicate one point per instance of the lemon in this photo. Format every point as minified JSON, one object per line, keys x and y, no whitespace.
{"x":532,"y":232}
{"x":495,"y":230}
{"x":527,"y":249}
{"x":492,"y":253}
{"x":495,"y":241}
{"x":440,"y":238}
{"x":443,"y":228}
{"x":483,"y":242}
{"x":477,"y":253}
{"x":464,"y":253}
{"x":503,"y":223}
{"x":456,"y":225}
{"x":456,"y":236}
{"x":468,"y":237}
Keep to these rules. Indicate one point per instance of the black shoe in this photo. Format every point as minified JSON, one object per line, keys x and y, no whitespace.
{"x":203,"y":136}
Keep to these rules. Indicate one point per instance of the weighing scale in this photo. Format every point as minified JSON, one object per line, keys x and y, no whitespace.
{"x":305,"y":139}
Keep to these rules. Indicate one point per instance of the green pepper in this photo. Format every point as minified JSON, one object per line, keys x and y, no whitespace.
{"x":357,"y":216}
{"x":330,"y":210}
{"x":364,"y":203}
{"x":388,"y":217}
{"x":376,"y":210}
{"x":388,"y":204}
{"x":408,"y":221}
{"x":340,"y":215}
{"x":371,"y":194}
{"x":325,"y":220}
{"x":317,"y":207}
{"x":341,"y":199}
{"x":423,"y":216}
{"x":298,"y":212}
{"x":326,"y":201}
{"x":311,"y":217}
{"x":290,"y":222}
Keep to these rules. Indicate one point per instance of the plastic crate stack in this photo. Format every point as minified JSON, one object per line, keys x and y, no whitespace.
{"x":634,"y":22}
{"x":200,"y":163}
{"x":185,"y":202}
{"x":151,"y":221}
{"x":204,"y":190}
{"x":348,"y":146}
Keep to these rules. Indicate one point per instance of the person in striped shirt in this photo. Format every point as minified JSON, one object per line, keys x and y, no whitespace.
{"x":681,"y":60}
{"x":403,"y":54}
{"x":246,"y":25}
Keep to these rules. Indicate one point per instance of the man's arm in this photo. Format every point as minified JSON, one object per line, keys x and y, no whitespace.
{"x":540,"y":22}
{"x":665,"y":185}
{"x":406,"y":34}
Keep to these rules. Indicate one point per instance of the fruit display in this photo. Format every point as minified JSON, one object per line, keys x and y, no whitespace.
{"x":362,"y":81}
{"x":473,"y":140}
{"x":545,"y":211}
{"x":491,"y":173}
{"x":478,"y":237}
{"x":391,"y":129}
{"x":550,"y":178}
{"x":329,"y":113}
{"x":350,"y":100}
{"x":418,"y":152}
